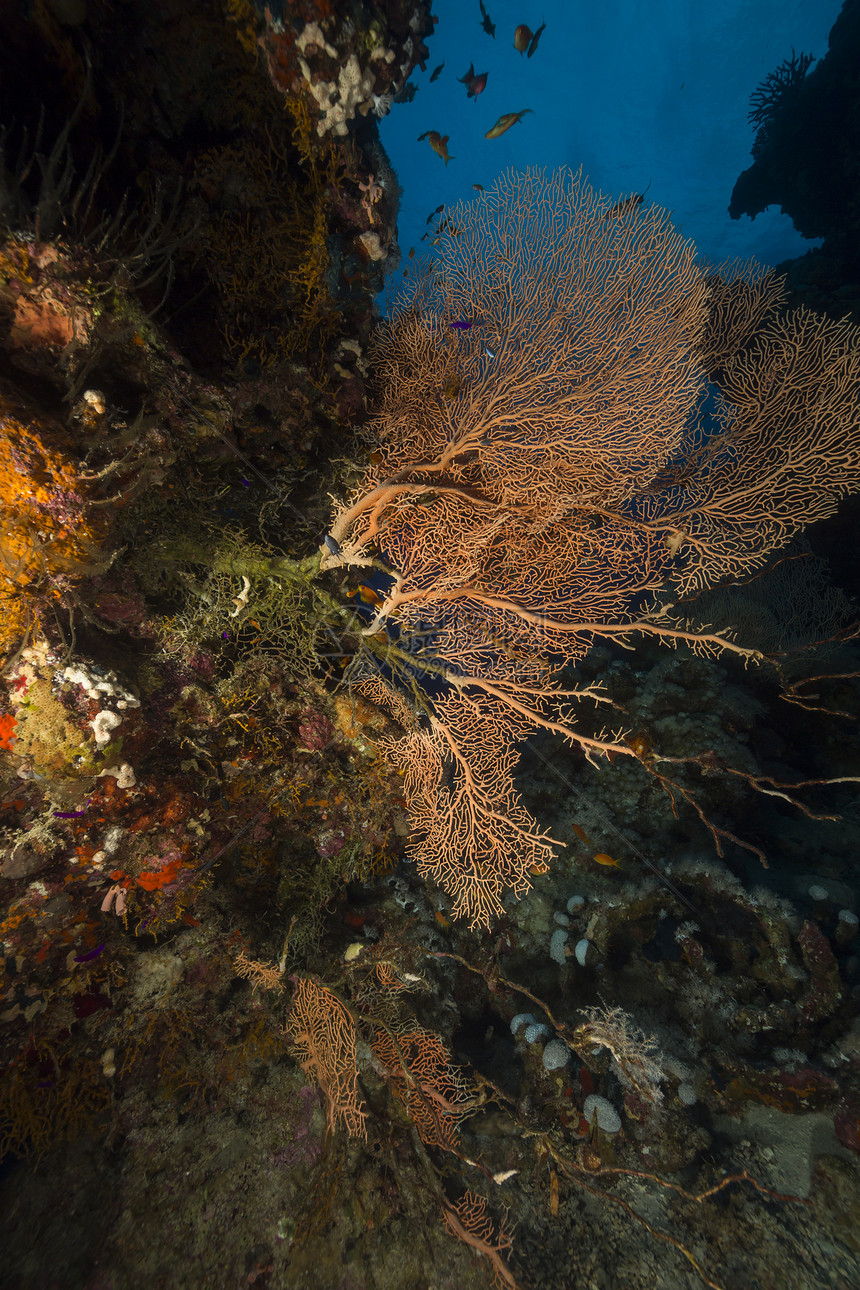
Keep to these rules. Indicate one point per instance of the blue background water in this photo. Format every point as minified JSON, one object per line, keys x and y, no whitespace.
{"x":634,"y":91}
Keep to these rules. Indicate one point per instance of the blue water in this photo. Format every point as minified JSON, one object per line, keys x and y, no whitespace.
{"x":634,"y":91}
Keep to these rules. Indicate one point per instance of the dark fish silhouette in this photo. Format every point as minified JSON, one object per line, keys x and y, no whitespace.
{"x":535,"y":38}
{"x":628,"y":203}
{"x":489,"y":27}
{"x":434,"y":75}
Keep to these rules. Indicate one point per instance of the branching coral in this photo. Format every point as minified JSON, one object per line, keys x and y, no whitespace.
{"x":767,"y":96}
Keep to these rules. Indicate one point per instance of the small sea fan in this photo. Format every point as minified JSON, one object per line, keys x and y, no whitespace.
{"x":768,"y":96}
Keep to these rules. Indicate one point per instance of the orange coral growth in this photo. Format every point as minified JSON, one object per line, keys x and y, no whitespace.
{"x":46,"y":531}
{"x":7,"y":726}
{"x":152,"y":880}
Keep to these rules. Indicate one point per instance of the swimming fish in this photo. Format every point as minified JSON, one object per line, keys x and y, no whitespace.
{"x":464,"y":324}
{"x":505,"y":122}
{"x":438,"y":142}
{"x":604,"y":859}
{"x":535,"y":38}
{"x":581,"y":834}
{"x":489,"y":27}
{"x":628,"y":203}
{"x":522,"y":36}
{"x":368,"y":595}
{"x":475,"y":82}
{"x":439,"y":208}
{"x":434,"y":75}
{"x":479,"y":188}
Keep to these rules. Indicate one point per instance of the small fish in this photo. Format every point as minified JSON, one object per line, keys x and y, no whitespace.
{"x":368,"y":595}
{"x":479,"y":188}
{"x":628,"y":203}
{"x":475,"y":82}
{"x":489,"y":27}
{"x":465,"y":324}
{"x":412,"y":253}
{"x":505,"y":122}
{"x":522,"y":36}
{"x":441,"y":919}
{"x":604,"y":859}
{"x":581,"y":834}
{"x":332,"y":544}
{"x":437,"y":71}
{"x":68,"y":815}
{"x":438,"y":142}
{"x":441,"y":205}
{"x":533,"y":44}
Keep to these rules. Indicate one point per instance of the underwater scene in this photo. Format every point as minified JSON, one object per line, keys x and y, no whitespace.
{"x":429,"y":645}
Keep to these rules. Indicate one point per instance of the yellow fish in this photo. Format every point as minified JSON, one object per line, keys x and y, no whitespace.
{"x":522,"y":36}
{"x":604,"y":859}
{"x":504,"y":123}
{"x":438,"y":142}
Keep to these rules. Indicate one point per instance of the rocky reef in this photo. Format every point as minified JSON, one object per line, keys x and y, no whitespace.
{"x":241,"y":1043}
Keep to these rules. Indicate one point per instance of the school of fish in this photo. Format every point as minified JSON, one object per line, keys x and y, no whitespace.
{"x":525,"y":42}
